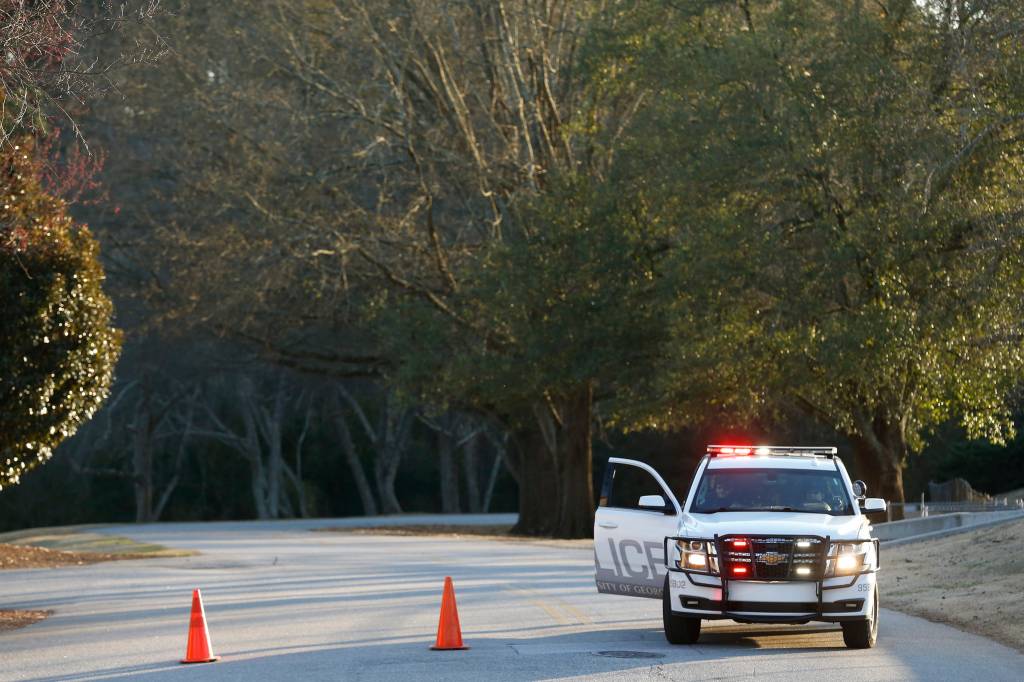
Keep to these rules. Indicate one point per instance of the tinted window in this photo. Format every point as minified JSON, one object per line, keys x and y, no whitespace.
{"x":629,"y":483}
{"x":798,"y":490}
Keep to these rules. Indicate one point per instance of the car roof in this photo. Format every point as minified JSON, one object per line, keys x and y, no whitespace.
{"x":802,"y":462}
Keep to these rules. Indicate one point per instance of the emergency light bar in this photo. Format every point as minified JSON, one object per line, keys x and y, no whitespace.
{"x":774,"y":450}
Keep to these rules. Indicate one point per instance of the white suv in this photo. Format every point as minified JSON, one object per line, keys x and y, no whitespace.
{"x":767,"y":534}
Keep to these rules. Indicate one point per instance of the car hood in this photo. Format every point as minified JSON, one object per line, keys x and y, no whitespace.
{"x":772,"y":523}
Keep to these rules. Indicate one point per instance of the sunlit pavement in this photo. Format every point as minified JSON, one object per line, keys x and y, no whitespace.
{"x":286,"y":603}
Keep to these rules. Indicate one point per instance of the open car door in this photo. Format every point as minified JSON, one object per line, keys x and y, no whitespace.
{"x":636,"y":512}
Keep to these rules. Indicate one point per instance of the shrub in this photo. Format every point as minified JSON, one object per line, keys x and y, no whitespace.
{"x":57,"y":345}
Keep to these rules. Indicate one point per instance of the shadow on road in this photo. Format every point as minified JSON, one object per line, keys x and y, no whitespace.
{"x":493,"y":657}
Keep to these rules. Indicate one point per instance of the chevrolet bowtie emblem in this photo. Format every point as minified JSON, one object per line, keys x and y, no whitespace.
{"x":772,"y":558}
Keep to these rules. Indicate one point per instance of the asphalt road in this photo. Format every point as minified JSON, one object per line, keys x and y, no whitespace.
{"x":285,"y":603}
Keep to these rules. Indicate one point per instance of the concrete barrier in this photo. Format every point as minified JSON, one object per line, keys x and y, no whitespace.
{"x":933,"y":526}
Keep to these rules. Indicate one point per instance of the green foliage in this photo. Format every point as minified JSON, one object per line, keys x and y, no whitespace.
{"x":989,"y":468}
{"x":58,"y":346}
{"x":847,"y":185}
{"x":573,"y":301}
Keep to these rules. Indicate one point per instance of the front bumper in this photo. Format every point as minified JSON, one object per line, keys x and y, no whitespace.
{"x":773,"y":602}
{"x":834,"y":599}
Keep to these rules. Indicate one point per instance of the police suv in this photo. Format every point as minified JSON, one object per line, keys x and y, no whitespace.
{"x":766,"y":534}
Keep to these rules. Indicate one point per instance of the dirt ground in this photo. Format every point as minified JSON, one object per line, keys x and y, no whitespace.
{"x":12,"y":620}
{"x":85,"y":539}
{"x":973,"y":581}
{"x":56,"y":547}
{"x":18,"y":556}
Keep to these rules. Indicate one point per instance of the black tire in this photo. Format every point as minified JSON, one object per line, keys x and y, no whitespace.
{"x":862,"y":634}
{"x":678,"y":629}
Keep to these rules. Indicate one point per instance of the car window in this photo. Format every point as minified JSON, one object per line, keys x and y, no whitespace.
{"x":629,"y":483}
{"x":798,"y":490}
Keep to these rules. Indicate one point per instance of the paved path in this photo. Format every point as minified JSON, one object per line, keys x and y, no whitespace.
{"x":287,"y":603}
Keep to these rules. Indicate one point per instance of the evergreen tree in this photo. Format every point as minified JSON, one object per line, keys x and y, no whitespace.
{"x":59,"y":348}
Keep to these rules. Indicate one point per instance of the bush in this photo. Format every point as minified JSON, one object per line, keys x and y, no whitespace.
{"x":58,"y":346}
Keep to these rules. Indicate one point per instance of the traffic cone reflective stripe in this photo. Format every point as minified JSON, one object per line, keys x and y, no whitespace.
{"x":449,"y":634}
{"x":199,"y":649}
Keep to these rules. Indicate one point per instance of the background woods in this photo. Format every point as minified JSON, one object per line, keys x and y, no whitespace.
{"x":378,"y":256}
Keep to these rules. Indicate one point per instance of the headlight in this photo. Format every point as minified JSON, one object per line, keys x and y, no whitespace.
{"x":847,"y":558}
{"x":847,"y":563}
{"x":693,"y":556}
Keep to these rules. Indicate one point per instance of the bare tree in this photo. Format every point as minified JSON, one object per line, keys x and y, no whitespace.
{"x":333,"y":148}
{"x":348,"y":447}
{"x":388,"y":437}
{"x":143,"y":415}
{"x":500,"y":445}
{"x":46,"y":70}
{"x":456,"y":431}
{"x":251,"y":422}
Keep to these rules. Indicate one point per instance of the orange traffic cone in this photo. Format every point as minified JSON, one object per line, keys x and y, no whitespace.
{"x":199,"y":649}
{"x":449,"y":634}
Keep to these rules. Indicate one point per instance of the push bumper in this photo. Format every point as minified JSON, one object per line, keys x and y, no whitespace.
{"x":778,"y":602}
{"x":711,"y":597}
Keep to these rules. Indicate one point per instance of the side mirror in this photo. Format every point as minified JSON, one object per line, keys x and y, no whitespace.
{"x":860,"y":489}
{"x":653,"y":503}
{"x":873,"y":504}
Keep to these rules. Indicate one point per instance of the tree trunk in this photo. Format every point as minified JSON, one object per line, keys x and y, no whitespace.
{"x":253,"y":452}
{"x":449,"y":473}
{"x":575,"y":467}
{"x":142,"y":460}
{"x":385,"y":472}
{"x":269,"y":422}
{"x":355,"y":465}
{"x":470,"y":459}
{"x":179,"y":460}
{"x":500,"y":446}
{"x":533,"y":468}
{"x":258,"y":486}
{"x":880,"y":450}
{"x":295,"y":475}
{"x":274,"y":474}
{"x":391,"y":437}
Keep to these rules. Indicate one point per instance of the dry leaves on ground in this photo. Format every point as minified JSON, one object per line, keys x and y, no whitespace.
{"x":20,"y":556}
{"x":13,"y":619}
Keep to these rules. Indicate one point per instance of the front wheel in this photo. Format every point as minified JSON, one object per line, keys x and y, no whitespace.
{"x":678,"y":629}
{"x":862,"y":634}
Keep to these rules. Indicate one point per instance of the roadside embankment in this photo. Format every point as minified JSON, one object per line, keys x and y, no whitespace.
{"x":72,"y":545}
{"x":911,"y":530}
{"x":973,"y":580}
{"x":58,"y":547}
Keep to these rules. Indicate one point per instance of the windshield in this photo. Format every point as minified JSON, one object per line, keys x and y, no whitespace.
{"x":784,"y":490}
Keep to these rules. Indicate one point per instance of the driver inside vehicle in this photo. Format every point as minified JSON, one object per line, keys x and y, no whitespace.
{"x":814,"y":500}
{"x":721,"y":494}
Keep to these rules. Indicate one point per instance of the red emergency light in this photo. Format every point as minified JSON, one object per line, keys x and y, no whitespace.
{"x":729,"y":450}
{"x":776,"y":450}
{"x":739,"y":570}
